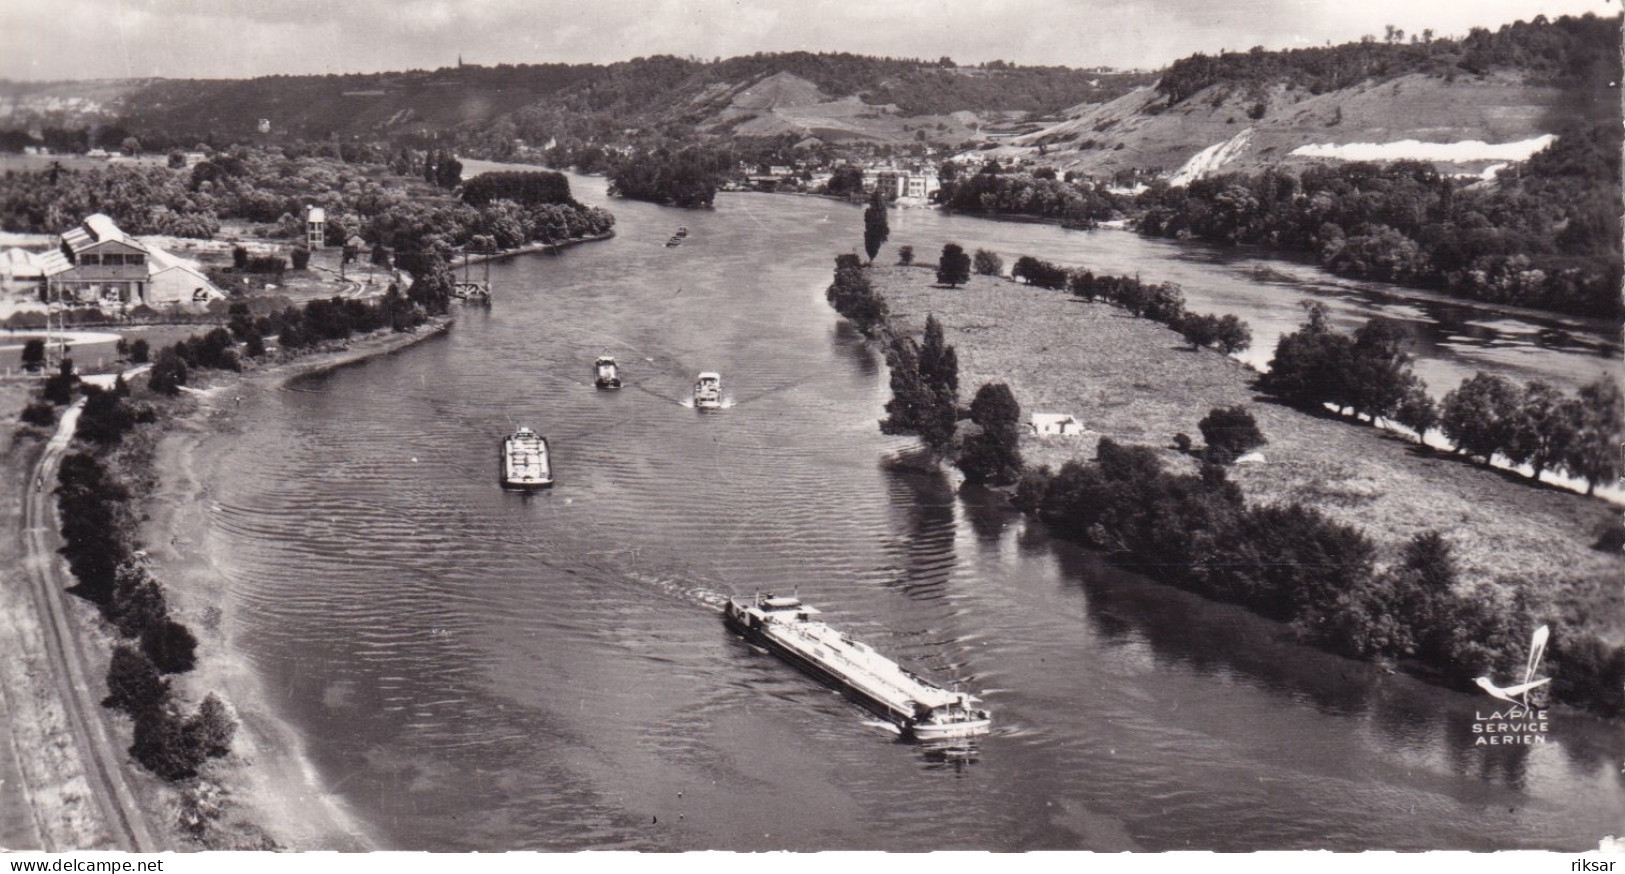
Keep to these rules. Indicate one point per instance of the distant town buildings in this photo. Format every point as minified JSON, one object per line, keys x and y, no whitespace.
{"x":894,"y":183}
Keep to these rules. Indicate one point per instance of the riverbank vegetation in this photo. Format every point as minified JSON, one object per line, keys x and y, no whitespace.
{"x":1408,"y":558}
{"x":98,"y":486}
{"x":1544,"y":235}
{"x":687,"y":177}
{"x":363,"y":191}
{"x":994,"y":191}
{"x":94,"y":500}
{"x":1369,"y":374}
{"x":1567,"y":51}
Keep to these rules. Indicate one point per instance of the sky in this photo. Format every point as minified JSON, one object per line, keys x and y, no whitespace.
{"x":93,"y":39}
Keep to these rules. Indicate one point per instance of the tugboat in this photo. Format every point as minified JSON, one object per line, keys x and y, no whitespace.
{"x":608,"y":375}
{"x":708,"y":391}
{"x":525,"y":462}
{"x":921,"y":709}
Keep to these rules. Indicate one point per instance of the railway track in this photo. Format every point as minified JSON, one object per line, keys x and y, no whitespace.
{"x":100,"y":752}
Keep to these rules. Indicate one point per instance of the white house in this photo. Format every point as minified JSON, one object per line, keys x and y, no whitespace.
{"x":1056,"y":425}
{"x":21,"y":274}
{"x":174,"y":281}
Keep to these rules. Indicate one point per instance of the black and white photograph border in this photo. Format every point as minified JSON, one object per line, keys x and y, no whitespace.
{"x":1098,"y":431}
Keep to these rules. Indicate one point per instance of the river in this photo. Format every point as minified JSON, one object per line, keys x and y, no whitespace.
{"x":481,"y":670}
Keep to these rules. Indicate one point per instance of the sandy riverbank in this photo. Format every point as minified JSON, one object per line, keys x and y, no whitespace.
{"x":273,"y":790}
{"x":1138,"y":382}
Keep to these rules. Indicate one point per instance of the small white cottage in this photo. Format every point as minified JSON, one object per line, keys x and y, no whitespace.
{"x":1056,"y":425}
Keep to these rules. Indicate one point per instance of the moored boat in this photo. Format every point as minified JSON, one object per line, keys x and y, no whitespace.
{"x":708,"y":391}
{"x":922,"y":709}
{"x":607,"y":374}
{"x":525,"y":461}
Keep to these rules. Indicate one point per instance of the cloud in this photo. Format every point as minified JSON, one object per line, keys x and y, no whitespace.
{"x":218,"y":38}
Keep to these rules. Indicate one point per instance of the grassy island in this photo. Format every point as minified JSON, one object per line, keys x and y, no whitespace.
{"x":1138,"y":383}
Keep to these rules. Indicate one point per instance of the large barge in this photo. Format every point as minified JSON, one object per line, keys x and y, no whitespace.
{"x":524,"y":461}
{"x":919,"y":707}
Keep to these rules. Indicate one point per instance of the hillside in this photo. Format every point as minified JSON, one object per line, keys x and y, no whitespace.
{"x":836,"y":96}
{"x":1139,"y":132}
{"x":1255,"y":109}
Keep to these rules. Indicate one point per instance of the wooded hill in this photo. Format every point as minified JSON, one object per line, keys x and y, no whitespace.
{"x":868,"y":98}
{"x":1518,"y":82}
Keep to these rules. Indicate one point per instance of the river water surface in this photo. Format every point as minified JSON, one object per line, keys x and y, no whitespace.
{"x":480,"y":670}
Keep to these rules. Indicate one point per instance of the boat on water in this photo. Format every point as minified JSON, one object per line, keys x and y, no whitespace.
{"x":525,"y":461}
{"x":677,"y":238}
{"x":922,"y":709}
{"x":607,"y":374}
{"x":708,"y":391}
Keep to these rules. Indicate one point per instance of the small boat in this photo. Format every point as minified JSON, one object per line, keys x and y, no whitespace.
{"x":525,"y":461}
{"x":677,"y":238}
{"x":921,"y":709}
{"x":708,"y":391}
{"x":608,"y":375}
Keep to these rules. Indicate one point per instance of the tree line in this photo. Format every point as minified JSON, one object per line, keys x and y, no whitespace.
{"x":992,"y":191}
{"x":1291,"y":563}
{"x":1557,"y":52}
{"x":1160,"y":302}
{"x":97,"y":525}
{"x":924,"y":378}
{"x":1370,"y":374}
{"x":687,"y":177}
{"x":1546,"y":235}
{"x":373,"y":200}
{"x":1286,"y":561}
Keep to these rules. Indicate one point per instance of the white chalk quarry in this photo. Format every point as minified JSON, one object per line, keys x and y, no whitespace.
{"x":1211,"y":159}
{"x":1466,"y":150}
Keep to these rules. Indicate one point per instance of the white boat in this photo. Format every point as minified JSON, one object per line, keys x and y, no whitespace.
{"x":607,"y":374}
{"x":708,"y":391}
{"x":525,"y":461}
{"x":922,"y":709}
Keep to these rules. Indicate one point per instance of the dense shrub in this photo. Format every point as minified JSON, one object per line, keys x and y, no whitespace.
{"x":855,"y":298}
{"x":992,"y":455}
{"x":168,"y":373}
{"x":1040,"y":273}
{"x":105,"y":419}
{"x":953,"y":268}
{"x":41,"y":414}
{"x":523,"y":187}
{"x":1230,"y":432}
{"x":170,"y":645}
{"x":133,"y":683}
{"x":987,"y":263}
{"x":925,"y":389}
{"x":90,"y":505}
{"x":162,"y":747}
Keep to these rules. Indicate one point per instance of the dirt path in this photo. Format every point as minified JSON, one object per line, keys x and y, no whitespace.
{"x":100,"y":753}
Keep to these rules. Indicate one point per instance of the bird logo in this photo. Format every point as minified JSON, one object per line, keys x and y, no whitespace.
{"x":1519,"y":693}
